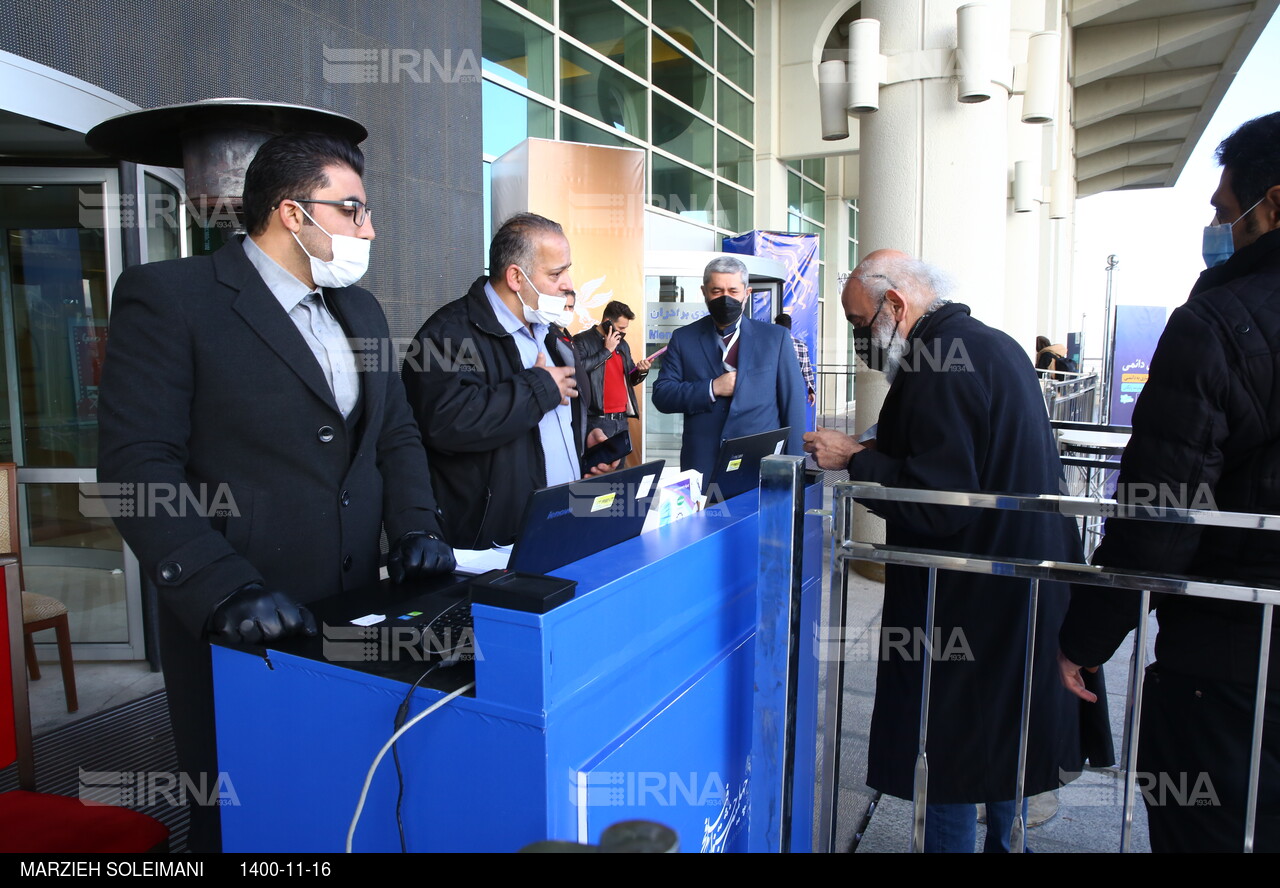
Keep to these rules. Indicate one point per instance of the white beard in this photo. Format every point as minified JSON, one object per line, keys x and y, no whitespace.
{"x":884,"y":333}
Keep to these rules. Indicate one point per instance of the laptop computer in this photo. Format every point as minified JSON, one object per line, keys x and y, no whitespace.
{"x":568,"y":522}
{"x":737,"y":467}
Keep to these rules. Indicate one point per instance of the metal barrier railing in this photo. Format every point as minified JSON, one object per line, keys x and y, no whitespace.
{"x":1089,"y":470}
{"x":1072,"y":397}
{"x":845,"y":548}
{"x":834,"y":402}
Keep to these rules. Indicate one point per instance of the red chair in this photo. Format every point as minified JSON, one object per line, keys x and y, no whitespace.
{"x":40,"y":823}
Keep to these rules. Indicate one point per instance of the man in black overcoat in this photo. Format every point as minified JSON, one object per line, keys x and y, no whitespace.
{"x":964,"y":412}
{"x":231,"y":379}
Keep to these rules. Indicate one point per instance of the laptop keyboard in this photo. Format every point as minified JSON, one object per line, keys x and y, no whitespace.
{"x":451,"y":636}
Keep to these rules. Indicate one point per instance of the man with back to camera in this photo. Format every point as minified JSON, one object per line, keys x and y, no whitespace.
{"x":610,"y":375}
{"x":491,"y":380}
{"x":729,"y":375}
{"x":802,"y":356}
{"x":236,"y":369}
{"x":963,"y":412}
{"x":1205,"y":429}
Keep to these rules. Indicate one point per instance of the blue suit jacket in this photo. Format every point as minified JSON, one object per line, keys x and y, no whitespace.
{"x":769,"y":393}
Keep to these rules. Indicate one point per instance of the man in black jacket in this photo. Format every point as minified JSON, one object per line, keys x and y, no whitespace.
{"x":1206,"y":431}
{"x":491,"y":380}
{"x":964,"y":412}
{"x":607,"y":371}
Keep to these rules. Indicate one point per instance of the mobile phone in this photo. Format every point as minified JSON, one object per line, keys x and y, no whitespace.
{"x":609,"y":450}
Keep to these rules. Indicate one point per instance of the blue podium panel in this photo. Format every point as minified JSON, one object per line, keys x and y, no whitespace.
{"x":686,"y":765}
{"x":296,"y":740}
{"x":638,"y":690}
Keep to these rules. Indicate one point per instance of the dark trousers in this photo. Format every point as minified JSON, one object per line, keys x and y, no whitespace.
{"x":188,"y":682}
{"x":608,"y":424}
{"x":1193,"y":764}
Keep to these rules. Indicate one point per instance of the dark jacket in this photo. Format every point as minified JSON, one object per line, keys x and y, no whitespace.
{"x":769,"y":393}
{"x":592,"y":356}
{"x":208,"y":382}
{"x":479,"y":409}
{"x":1207,"y":425}
{"x":966,"y":413}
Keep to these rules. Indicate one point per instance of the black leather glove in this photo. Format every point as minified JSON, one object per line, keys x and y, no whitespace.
{"x":252,"y":615}
{"x":417,"y":554}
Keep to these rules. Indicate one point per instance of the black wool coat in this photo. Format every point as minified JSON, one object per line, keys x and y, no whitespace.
{"x":1206,"y":434}
{"x":966,"y":413}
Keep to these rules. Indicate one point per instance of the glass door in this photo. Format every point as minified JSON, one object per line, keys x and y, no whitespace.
{"x":59,"y":256}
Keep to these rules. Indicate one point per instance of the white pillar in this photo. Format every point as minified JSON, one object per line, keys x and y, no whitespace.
{"x":934,"y":177}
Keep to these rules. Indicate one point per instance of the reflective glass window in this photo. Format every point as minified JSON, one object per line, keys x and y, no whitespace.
{"x":739,"y":18}
{"x":682,"y":190}
{"x":515,"y":48}
{"x":815,"y":202}
{"x":734,"y":160}
{"x":736,"y":63}
{"x":681,"y":77}
{"x":608,"y":30}
{"x":510,"y":118}
{"x":680,"y":132}
{"x":735,"y":209}
{"x":598,"y":90}
{"x":736,"y":111}
{"x":573,"y":129}
{"x":688,"y":25}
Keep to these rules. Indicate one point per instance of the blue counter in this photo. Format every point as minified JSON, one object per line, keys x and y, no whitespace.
{"x":636,"y":700}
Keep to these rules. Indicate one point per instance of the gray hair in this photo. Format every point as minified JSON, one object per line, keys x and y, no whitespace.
{"x":919,"y":280}
{"x":516,"y":242}
{"x":727,"y":265}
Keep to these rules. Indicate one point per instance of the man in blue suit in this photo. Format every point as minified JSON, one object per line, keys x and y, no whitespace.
{"x":729,"y":375}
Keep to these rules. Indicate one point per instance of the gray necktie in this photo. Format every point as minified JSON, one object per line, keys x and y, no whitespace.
{"x":328,"y":342}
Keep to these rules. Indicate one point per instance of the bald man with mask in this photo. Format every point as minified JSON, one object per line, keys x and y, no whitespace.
{"x":963,"y":412}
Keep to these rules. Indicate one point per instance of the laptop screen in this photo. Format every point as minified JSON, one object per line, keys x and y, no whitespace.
{"x":737,"y":467}
{"x":568,"y":522}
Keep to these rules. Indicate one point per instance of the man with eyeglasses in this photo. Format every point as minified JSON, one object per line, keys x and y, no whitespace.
{"x":963,"y":412}
{"x":236,"y":373}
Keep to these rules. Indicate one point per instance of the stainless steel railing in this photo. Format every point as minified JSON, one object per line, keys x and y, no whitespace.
{"x":845,"y":547}
{"x":1070,"y":397}
{"x":835,"y":405}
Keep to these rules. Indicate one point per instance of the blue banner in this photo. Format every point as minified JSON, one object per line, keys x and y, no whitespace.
{"x":1138,"y":329}
{"x":799,"y":255}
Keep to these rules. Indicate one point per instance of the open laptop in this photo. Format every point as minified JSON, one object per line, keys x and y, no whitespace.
{"x":568,"y":522}
{"x":737,"y":467}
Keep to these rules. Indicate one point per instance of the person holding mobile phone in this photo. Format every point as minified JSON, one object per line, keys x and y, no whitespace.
{"x":608,"y":375}
{"x":491,"y":378}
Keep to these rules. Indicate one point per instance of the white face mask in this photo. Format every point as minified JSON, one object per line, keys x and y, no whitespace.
{"x":550,"y":309}
{"x":349,"y":263}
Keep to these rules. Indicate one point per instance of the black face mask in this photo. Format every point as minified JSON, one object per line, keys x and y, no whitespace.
{"x":724,"y":311}
{"x":864,"y":346}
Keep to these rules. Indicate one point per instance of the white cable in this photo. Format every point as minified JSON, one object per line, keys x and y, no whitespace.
{"x":368,"y":779}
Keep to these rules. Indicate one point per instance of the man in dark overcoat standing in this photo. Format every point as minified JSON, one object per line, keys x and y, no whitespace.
{"x":964,"y":412}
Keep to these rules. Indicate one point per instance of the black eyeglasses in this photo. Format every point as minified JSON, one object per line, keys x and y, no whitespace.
{"x":359,"y":211}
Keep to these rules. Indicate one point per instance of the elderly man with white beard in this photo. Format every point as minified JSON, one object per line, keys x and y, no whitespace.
{"x":964,"y":411}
